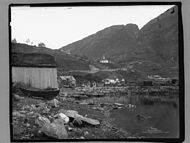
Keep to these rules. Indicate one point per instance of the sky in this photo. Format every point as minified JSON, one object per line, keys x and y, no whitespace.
{"x":59,"y":26}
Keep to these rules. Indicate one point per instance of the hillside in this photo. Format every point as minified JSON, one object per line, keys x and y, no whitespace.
{"x":111,"y":42}
{"x":153,"y":49}
{"x":63,"y":60}
{"x":161,"y":36}
{"x":155,"y":43}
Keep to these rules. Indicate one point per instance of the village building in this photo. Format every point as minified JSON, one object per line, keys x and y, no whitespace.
{"x":34,"y":69}
{"x":104,"y":60}
{"x":113,"y":81}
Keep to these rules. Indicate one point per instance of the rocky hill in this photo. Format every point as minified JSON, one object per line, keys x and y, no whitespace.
{"x":161,"y":36}
{"x":111,"y":42}
{"x":155,"y":43}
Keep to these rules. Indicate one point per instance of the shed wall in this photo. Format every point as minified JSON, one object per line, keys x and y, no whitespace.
{"x":35,"y":76}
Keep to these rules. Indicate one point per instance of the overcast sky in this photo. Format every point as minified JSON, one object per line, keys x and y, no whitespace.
{"x":59,"y":26}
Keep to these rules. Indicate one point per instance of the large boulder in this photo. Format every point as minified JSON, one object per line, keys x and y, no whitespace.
{"x":79,"y":118}
{"x":55,"y":130}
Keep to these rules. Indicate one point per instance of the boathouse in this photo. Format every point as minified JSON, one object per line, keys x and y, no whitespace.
{"x":34,"y":69}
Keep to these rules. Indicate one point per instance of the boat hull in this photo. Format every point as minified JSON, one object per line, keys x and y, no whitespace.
{"x":44,"y":94}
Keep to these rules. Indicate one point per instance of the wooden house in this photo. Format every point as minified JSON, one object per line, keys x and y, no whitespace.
{"x":34,"y":69}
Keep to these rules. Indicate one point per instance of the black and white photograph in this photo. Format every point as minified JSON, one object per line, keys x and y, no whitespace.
{"x":96,"y":72}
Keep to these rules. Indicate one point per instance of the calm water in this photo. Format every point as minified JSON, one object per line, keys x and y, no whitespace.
{"x":157,"y":120}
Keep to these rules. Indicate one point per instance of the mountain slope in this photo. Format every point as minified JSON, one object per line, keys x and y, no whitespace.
{"x":157,"y":41}
{"x":161,"y":35}
{"x":111,"y":42}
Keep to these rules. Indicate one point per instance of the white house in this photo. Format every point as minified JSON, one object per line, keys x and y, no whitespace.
{"x":104,"y":60}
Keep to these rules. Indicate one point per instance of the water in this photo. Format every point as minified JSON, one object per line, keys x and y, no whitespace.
{"x":149,"y":119}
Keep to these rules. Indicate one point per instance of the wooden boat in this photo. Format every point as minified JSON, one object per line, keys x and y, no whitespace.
{"x":40,"y":93}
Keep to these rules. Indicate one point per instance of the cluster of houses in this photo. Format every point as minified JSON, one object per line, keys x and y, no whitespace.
{"x":104,"y":60}
{"x":113,"y":81}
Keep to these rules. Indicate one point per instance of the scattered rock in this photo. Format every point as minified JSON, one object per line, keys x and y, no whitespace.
{"x":118,"y":104}
{"x":41,"y":104}
{"x":131,"y":106}
{"x":70,"y":129}
{"x":41,"y":121}
{"x":23,"y":112}
{"x":83,"y":103}
{"x":55,"y":129}
{"x":18,"y":114}
{"x":56,"y":102}
{"x":40,"y":132}
{"x":27,"y":125}
{"x":87,"y":120}
{"x":82,"y":137}
{"x":17,"y":97}
{"x":79,"y":118}
{"x":53,"y":103}
{"x":69,"y":113}
{"x":30,"y":113}
{"x":33,"y":106}
{"x":98,"y":108}
{"x":86,"y":133}
{"x":63,"y":117}
{"x":45,"y":110}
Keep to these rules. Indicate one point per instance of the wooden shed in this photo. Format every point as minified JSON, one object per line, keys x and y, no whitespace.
{"x":34,"y":69}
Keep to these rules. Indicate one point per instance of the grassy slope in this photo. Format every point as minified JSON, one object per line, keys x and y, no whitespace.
{"x":64,"y":61}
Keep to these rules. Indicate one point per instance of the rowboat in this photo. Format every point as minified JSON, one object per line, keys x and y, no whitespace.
{"x":40,"y":93}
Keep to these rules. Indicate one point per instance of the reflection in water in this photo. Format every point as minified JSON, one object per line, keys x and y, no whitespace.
{"x":153,"y":117}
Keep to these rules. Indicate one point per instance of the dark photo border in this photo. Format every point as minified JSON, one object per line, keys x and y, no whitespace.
{"x":181,"y":70}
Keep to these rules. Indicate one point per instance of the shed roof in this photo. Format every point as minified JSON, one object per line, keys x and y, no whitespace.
{"x":32,"y":60}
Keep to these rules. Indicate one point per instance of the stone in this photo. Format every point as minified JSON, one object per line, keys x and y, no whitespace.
{"x":99,"y":108}
{"x":56,"y":102}
{"x":53,"y":102}
{"x":83,"y":103}
{"x":27,"y":124}
{"x":41,"y":121}
{"x":18,"y":114}
{"x":70,"y":129}
{"x":63,"y":117}
{"x":55,"y":130}
{"x":131,"y":106}
{"x":17,"y":97}
{"x":69,"y":113}
{"x":82,"y":137}
{"x":90,"y":121}
{"x":86,"y":133}
{"x":118,"y":104}
{"x":23,"y":112}
{"x":33,"y":106}
{"x":77,"y":120}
